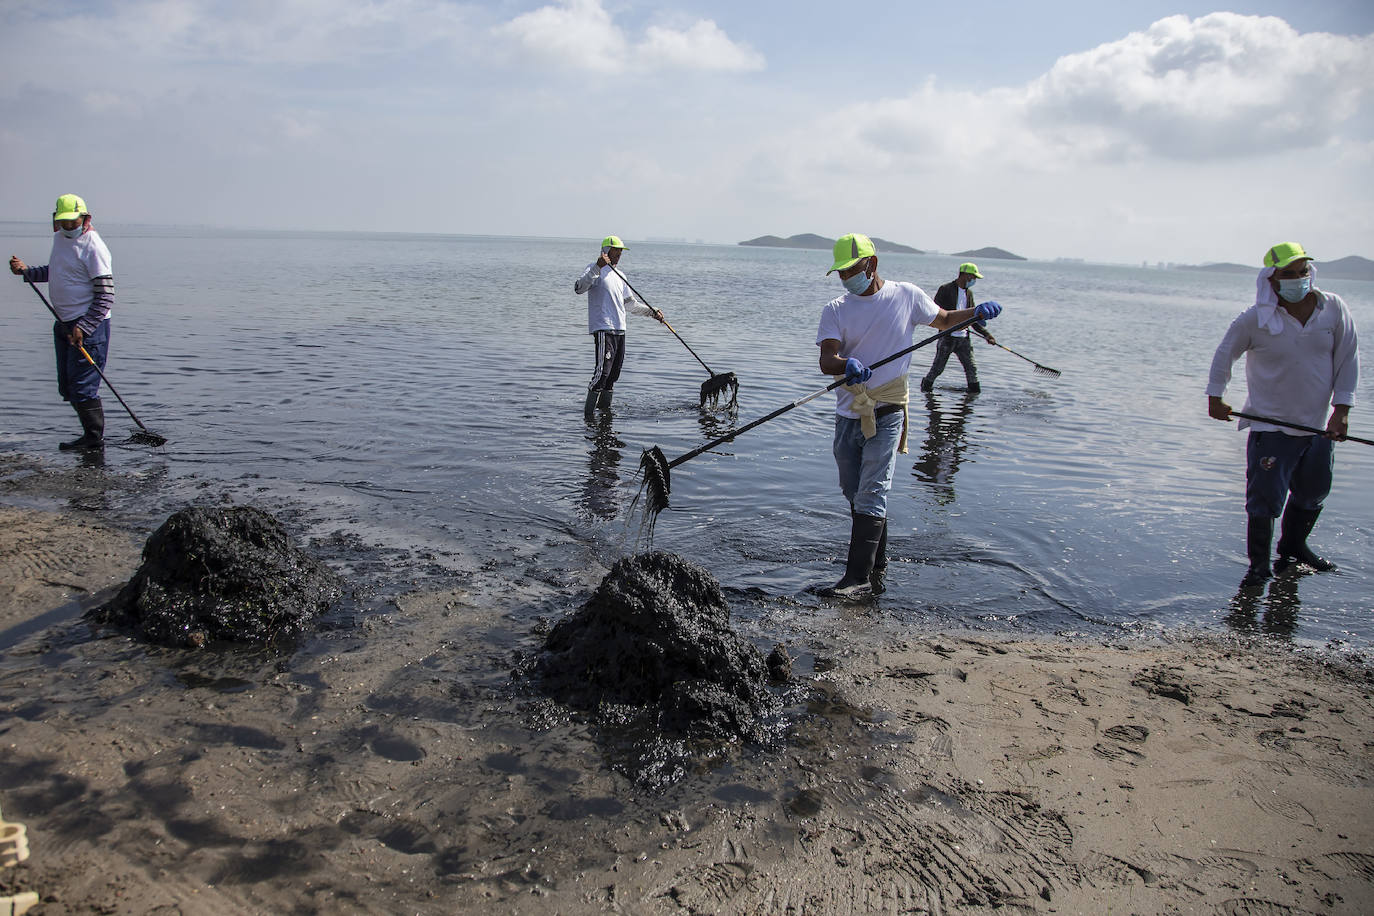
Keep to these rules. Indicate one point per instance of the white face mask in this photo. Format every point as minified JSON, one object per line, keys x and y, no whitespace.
{"x":1294,"y":289}
{"x":859,"y":283}
{"x":73,"y":233}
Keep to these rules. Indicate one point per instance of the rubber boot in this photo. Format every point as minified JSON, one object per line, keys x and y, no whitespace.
{"x":927,"y":383}
{"x":92,"y":416}
{"x":1297,"y":524}
{"x":864,"y":537}
{"x":591,"y":403}
{"x":604,"y":401}
{"x":877,"y":580}
{"x":973,"y":386}
{"x":1259,"y":532}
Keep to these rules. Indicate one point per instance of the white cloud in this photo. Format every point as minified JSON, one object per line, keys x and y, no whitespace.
{"x":1220,"y":85}
{"x":701,"y":46}
{"x":1218,"y":88}
{"x":581,"y":35}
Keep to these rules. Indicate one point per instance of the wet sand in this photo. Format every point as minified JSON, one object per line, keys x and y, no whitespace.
{"x":393,"y":764}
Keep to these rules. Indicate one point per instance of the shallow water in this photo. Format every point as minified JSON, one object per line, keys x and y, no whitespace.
{"x":413,"y":404}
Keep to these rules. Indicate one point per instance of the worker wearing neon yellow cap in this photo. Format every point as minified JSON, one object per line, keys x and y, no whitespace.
{"x":608,"y":299}
{"x":80,"y":280}
{"x":958,"y":294}
{"x":873,"y":320}
{"x":1302,"y":366}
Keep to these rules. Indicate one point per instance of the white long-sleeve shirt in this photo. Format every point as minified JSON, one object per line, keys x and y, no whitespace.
{"x":608,"y":297}
{"x":1296,"y":374}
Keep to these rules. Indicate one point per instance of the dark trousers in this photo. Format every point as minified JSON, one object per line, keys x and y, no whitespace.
{"x":610,"y":354}
{"x":77,"y":379}
{"x":1280,"y":467}
{"x":961,"y":347}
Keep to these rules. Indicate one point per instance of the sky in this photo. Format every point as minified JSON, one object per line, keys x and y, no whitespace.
{"x":1120,"y":132}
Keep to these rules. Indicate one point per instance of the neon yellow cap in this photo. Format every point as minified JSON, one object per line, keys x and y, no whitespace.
{"x":69,"y":206}
{"x":613,"y":241}
{"x":968,"y":267}
{"x":849,"y":250}
{"x":1285,"y":253}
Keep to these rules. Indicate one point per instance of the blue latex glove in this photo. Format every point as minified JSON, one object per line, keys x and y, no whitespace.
{"x":986,"y":310}
{"x":856,"y":372}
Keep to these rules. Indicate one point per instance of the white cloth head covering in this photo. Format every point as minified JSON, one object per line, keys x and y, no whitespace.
{"x":1268,"y":302}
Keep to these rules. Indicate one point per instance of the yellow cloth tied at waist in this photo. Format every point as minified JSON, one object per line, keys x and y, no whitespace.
{"x":866,"y":401}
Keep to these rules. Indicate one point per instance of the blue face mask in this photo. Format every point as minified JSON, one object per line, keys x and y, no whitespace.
{"x":971,"y":281}
{"x":1294,"y":289}
{"x":857,"y":284}
{"x":73,"y":233}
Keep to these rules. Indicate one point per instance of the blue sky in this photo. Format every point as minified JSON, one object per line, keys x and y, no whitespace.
{"x":1117,"y":132}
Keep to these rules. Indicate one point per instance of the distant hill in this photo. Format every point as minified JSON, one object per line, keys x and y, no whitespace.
{"x":995,"y":253}
{"x":1224,"y":267}
{"x":805,"y":240}
{"x":1351,"y":268}
{"x":821,"y":243}
{"x":886,"y":247}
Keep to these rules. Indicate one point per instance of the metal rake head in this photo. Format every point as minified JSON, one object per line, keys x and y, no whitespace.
{"x":147,"y":437}
{"x":724,"y":385}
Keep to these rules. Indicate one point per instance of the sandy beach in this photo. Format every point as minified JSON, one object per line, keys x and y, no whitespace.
{"x":396,"y":766}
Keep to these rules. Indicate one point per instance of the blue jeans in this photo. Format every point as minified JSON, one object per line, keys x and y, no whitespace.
{"x":866,"y":465}
{"x":77,"y":379}
{"x":1277,"y":464}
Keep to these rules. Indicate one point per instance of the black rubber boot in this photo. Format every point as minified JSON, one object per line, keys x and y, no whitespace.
{"x":1259,"y":533}
{"x":877,"y":579}
{"x":1297,"y":524}
{"x":92,"y":416}
{"x":591,"y":403}
{"x":604,"y":401}
{"x":864,"y":537}
{"x":927,"y":383}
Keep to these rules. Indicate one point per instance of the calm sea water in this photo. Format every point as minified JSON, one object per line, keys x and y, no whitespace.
{"x":425,"y":393}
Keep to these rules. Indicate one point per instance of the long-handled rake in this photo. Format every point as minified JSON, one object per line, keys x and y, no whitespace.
{"x":1306,"y":429}
{"x":1039,"y":369}
{"x":657,"y":468}
{"x":144,"y":436}
{"x":715,"y":387}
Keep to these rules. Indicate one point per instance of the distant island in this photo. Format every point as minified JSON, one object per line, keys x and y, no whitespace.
{"x":821,"y":243}
{"x":994,"y":253}
{"x":1351,"y":268}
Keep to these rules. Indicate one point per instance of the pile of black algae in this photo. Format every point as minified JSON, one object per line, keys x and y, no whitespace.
{"x":222,"y":574}
{"x":652,"y":656}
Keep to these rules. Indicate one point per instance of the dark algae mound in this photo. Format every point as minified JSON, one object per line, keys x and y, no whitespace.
{"x":651,"y":656}
{"x":222,"y":574}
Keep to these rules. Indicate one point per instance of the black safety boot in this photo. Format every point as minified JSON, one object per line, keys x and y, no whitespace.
{"x":864,"y":536}
{"x":877,"y":579}
{"x":92,"y":416}
{"x":1297,"y":524}
{"x":1259,"y":532}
